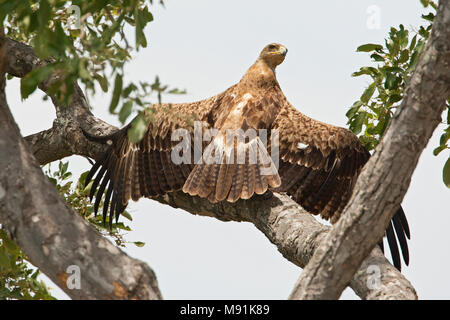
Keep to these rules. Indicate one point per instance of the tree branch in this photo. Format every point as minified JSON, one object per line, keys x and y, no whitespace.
{"x":293,"y":230}
{"x":296,"y":234}
{"x":52,"y":235}
{"x":65,"y":138}
{"x":385,"y":179}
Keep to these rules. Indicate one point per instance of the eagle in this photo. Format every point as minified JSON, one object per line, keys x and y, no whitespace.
{"x":316,"y":164}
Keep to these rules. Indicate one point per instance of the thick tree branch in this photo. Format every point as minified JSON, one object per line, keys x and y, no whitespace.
{"x":297,"y":235}
{"x":294,"y":231}
{"x":385,"y":179}
{"x":52,"y":235}
{"x":65,"y":138}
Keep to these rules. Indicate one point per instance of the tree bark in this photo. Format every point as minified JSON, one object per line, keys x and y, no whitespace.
{"x":294,"y":231}
{"x":65,"y":138}
{"x":384,"y":181}
{"x":55,"y":238}
{"x":297,"y":235}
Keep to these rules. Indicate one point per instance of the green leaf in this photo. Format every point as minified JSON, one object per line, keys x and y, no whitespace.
{"x":127,"y":215}
{"x":65,"y":167}
{"x":403,"y":37}
{"x":4,"y":259}
{"x":177,"y":91}
{"x":83,"y":70}
{"x":446,"y":173}
{"x":126,"y":92}
{"x":356,"y":126}
{"x":43,"y":14}
{"x":424,"y":32}
{"x":125,"y":112}
{"x":439,"y":149}
{"x":147,"y":15}
{"x":392,"y":81}
{"x":139,"y":244}
{"x":448,"y":114}
{"x":444,"y":138}
{"x":66,"y":175}
{"x":121,"y":226}
{"x":413,"y":43}
{"x":8,"y":244}
{"x":29,"y":83}
{"x":102,"y":82}
{"x":429,"y":17}
{"x":369,"y":47}
{"x":382,"y":125}
{"x":82,"y":179}
{"x":138,"y":129}
{"x":377,"y":57}
{"x":140,"y":24}
{"x":118,"y":83}
{"x":371,"y":71}
{"x":368,"y":93}
{"x":394,"y":69}
{"x":394,"y":98}
{"x":404,"y":56}
{"x":352,"y":111}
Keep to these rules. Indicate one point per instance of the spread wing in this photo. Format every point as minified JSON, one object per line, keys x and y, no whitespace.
{"x":319,"y":165}
{"x":131,"y":171}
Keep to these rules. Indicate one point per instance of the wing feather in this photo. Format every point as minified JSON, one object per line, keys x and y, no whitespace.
{"x":130,"y":171}
{"x":319,"y":165}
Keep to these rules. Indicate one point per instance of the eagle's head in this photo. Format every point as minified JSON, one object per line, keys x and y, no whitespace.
{"x":273,"y":54}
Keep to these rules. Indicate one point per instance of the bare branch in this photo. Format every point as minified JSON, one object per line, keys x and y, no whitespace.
{"x":385,"y":179}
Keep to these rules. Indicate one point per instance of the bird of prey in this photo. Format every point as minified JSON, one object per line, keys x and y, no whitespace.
{"x":318,"y":162}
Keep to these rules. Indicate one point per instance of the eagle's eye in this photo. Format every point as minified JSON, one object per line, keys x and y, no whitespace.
{"x":272,"y":47}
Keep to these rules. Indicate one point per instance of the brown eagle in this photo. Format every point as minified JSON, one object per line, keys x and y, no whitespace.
{"x":318,"y":163}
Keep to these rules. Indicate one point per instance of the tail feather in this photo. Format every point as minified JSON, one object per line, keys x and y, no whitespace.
{"x":224,"y":181}
{"x":232,"y":172}
{"x":260,"y":184}
{"x":238,"y":180}
{"x":204,"y":181}
{"x":192,"y":184}
{"x":251,"y":179}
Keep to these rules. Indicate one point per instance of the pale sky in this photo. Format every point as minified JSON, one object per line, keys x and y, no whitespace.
{"x":205,"y":47}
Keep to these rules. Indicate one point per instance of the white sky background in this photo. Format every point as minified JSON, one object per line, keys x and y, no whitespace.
{"x":205,"y":47}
